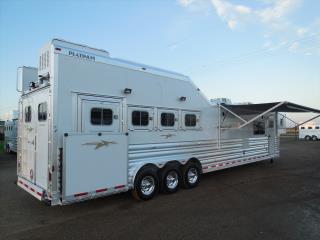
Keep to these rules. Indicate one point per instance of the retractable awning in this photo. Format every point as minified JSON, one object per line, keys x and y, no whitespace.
{"x":262,"y":109}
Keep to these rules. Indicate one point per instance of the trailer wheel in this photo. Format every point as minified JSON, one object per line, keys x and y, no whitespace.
{"x":146,"y":184}
{"x":170,"y":179}
{"x":191,"y":175}
{"x":307,"y":138}
{"x":314,"y":138}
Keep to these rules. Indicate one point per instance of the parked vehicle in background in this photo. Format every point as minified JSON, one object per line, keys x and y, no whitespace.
{"x":10,"y":136}
{"x":2,"y":130}
{"x":309,"y":132}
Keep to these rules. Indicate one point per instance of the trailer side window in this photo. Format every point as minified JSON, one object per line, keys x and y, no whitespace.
{"x":258,"y":128}
{"x":140,"y":118}
{"x":302,"y":128}
{"x":101,"y":116}
{"x":309,"y":127}
{"x":167,"y":119}
{"x":190,"y":120}
{"x":42,"y":112}
{"x":27,"y":114}
{"x":317,"y":127}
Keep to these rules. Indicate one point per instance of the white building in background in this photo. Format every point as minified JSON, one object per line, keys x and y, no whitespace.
{"x":216,"y":101}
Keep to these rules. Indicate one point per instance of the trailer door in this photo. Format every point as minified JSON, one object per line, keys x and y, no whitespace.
{"x":270,"y":129}
{"x":26,"y":155}
{"x":34,"y":138}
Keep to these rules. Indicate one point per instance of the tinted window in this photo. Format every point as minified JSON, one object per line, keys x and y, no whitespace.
{"x":302,"y":127}
{"x":258,"y":128}
{"x":309,"y":127}
{"x":140,"y":118}
{"x":42,"y":111}
{"x":271,"y":123}
{"x":27,"y":114}
{"x":190,"y":120}
{"x":167,"y":119}
{"x":317,"y":127}
{"x":101,"y":116}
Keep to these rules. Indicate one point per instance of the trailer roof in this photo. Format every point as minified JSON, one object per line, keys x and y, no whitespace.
{"x":272,"y":107}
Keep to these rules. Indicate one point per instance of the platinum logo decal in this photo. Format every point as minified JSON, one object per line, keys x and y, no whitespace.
{"x":82,"y":55}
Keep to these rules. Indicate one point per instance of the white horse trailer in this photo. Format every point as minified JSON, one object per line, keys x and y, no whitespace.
{"x":10,"y":136}
{"x":309,"y":132}
{"x":91,"y":125}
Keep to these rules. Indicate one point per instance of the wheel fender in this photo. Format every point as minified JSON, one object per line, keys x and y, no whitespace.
{"x":173,"y":164}
{"x":197,"y":162}
{"x":137,"y":169}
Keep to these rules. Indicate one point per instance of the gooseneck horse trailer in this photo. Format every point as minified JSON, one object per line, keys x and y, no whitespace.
{"x":91,"y":125}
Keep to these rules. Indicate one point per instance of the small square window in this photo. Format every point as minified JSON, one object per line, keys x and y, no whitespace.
{"x":167,"y":119}
{"x":27,"y":114}
{"x":190,"y":120}
{"x":140,"y":118}
{"x":101,"y":116}
{"x":258,"y":128}
{"x":42,"y":112}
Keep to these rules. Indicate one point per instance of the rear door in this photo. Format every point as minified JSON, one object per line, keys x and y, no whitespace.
{"x":34,"y":138}
{"x":42,"y":138}
{"x":26,"y":160}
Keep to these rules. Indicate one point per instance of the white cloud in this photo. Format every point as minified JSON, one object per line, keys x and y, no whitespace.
{"x":272,"y":13}
{"x":294,"y":46}
{"x":301,"y":31}
{"x":186,"y":3}
{"x":231,"y":13}
{"x":273,"y":17}
{"x":277,"y":11}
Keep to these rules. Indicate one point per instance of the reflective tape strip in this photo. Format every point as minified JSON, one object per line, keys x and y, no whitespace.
{"x":101,"y":190}
{"x":81,"y":194}
{"x":120,"y":186}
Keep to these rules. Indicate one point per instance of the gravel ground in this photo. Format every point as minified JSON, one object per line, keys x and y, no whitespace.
{"x":256,"y":201}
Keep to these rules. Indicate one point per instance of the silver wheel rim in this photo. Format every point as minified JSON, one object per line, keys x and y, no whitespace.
{"x":147,"y":185}
{"x":172,"y":180}
{"x":192,"y":175}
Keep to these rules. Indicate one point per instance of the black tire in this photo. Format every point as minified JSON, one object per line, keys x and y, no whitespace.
{"x":170,"y":179}
{"x":307,"y":138}
{"x":149,"y":176}
{"x":314,"y":138}
{"x":195,"y":169}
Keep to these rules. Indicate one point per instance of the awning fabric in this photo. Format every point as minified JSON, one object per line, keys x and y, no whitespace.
{"x":247,"y":109}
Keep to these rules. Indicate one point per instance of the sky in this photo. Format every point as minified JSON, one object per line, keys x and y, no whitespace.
{"x":249,"y":51}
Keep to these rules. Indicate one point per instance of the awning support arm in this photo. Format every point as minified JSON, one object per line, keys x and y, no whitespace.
{"x":288,"y":118}
{"x":260,"y":115}
{"x":308,"y":120}
{"x":236,"y":115}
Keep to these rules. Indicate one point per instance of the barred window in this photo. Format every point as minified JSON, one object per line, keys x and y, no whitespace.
{"x":27,"y":114}
{"x":258,"y":128}
{"x":42,"y":112}
{"x":190,"y":120}
{"x":140,"y":118}
{"x":101,"y":116}
{"x":167,"y":119}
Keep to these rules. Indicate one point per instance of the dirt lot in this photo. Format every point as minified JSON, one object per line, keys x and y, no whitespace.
{"x":256,"y":201}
